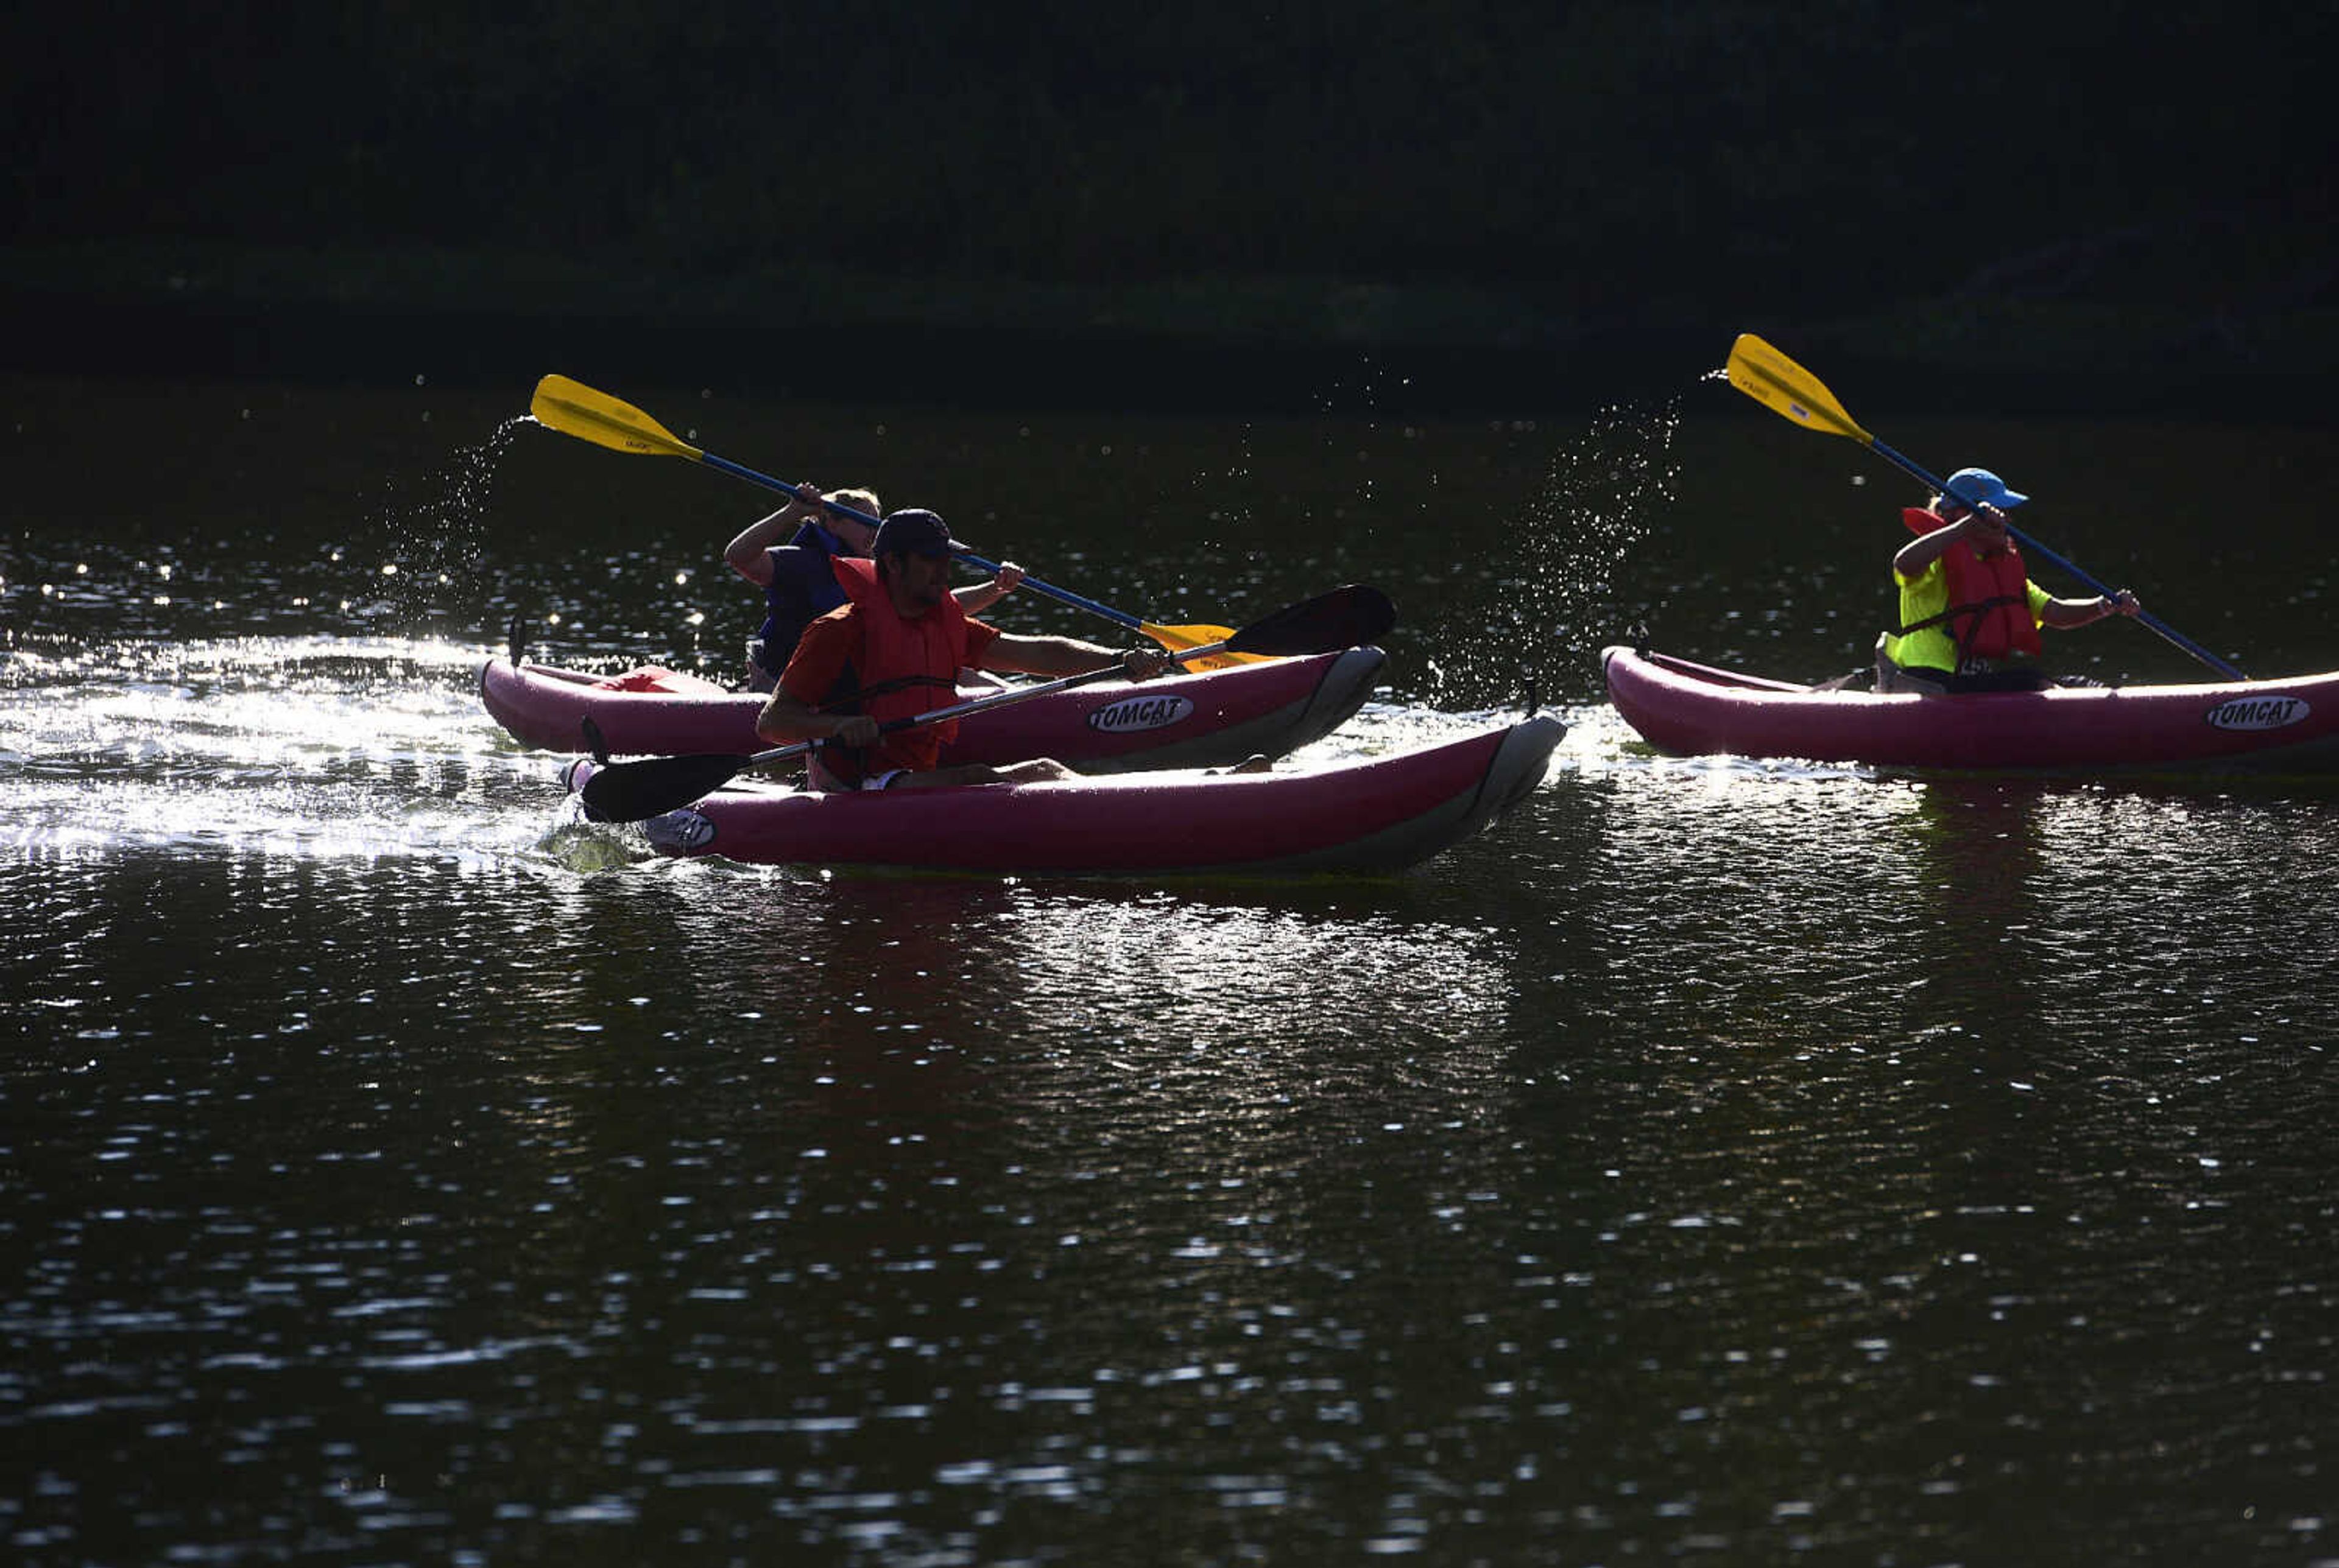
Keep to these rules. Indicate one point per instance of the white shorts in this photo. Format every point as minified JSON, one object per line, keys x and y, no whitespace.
{"x":820,"y":778}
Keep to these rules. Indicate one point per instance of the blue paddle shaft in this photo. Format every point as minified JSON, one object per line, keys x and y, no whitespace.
{"x":2052,"y":560}
{"x":1061,"y":596}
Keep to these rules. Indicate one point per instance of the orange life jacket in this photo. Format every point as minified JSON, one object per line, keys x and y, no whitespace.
{"x":1990,"y":597}
{"x":907,"y":667}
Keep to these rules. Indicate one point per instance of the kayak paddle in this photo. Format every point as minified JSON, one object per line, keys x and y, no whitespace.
{"x":631,"y":792}
{"x":1778,"y":383}
{"x":576,"y":409}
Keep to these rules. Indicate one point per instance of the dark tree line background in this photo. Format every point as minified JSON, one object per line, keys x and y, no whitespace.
{"x":2068,"y":188}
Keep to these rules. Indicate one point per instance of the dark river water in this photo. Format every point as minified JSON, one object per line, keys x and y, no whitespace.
{"x":1724,"y":1160}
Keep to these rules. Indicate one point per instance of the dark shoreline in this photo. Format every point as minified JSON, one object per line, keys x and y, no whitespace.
{"x":957,"y":365}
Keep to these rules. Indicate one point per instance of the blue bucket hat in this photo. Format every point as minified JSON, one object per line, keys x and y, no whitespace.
{"x":1971,"y":487}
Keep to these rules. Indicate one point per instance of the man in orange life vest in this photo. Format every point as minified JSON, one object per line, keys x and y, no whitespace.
{"x":894,"y":651}
{"x":1968,"y":612}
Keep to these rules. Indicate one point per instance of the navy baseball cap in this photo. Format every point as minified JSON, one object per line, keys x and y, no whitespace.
{"x":915,"y":531}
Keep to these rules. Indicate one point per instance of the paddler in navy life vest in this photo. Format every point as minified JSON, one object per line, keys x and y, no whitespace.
{"x":798,"y":587}
{"x":894,"y":651}
{"x":1969,"y":614}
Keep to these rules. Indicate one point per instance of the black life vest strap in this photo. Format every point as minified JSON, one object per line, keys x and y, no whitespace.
{"x":1978,"y":609}
{"x":853,"y":698}
{"x":850,"y":764}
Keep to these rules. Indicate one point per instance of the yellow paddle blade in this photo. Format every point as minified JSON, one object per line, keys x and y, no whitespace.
{"x":575,"y":408}
{"x":1777,"y":382}
{"x":1177,"y":640}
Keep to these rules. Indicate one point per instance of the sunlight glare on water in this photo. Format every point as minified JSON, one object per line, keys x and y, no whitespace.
{"x":326,"y":747}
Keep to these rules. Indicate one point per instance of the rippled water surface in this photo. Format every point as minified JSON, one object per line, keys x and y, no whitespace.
{"x":1719,"y":1159}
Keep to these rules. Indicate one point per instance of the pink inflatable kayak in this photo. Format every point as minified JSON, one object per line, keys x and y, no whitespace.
{"x":1209,"y":719}
{"x":1375,"y":816}
{"x":1690,"y":709}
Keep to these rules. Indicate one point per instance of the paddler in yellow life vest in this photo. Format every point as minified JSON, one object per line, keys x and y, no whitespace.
{"x":1969,"y":614}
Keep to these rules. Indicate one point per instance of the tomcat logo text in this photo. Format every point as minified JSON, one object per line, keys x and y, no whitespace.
{"x":2258,"y":713}
{"x":1145,"y":712}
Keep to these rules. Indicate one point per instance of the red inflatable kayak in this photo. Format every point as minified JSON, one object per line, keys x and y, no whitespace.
{"x":1690,"y":709}
{"x":1209,"y":719}
{"x":1375,"y":816}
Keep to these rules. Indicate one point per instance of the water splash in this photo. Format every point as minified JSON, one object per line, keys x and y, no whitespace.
{"x":432,"y":577}
{"x":1604,"y":493}
{"x":1573,"y":542}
